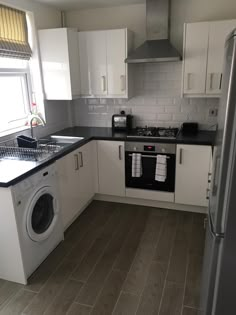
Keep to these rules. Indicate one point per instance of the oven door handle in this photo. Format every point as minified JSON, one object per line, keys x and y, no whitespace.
{"x":149,"y":156}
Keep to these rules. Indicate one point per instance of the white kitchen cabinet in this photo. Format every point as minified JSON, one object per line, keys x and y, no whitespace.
{"x":60,"y":63}
{"x":192,"y":174}
{"x":204,"y":56}
{"x":103,"y":70}
{"x":195,"y":57}
{"x":76,"y":182}
{"x":111,"y":168}
{"x":218,"y":32}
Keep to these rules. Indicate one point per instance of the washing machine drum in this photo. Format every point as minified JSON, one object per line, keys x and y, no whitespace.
{"x":42,"y":215}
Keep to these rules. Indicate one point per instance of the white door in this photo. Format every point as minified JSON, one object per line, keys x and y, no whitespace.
{"x":68,"y":171}
{"x":84,"y":64}
{"x":86,"y":179}
{"x":97,"y":62}
{"x":116,"y":66}
{"x":218,"y":32}
{"x":111,"y":168}
{"x":192,"y":173}
{"x":195,"y":58}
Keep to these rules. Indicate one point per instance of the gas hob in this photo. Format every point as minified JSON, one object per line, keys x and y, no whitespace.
{"x":154,"y":133}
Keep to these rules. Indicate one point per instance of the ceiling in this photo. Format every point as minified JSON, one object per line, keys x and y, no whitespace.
{"x":87,"y":4}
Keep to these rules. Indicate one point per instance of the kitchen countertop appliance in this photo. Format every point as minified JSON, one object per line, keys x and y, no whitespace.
{"x":122,"y":122}
{"x":219,"y":275}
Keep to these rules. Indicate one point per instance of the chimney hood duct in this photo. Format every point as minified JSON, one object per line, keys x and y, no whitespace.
{"x":157,"y":47}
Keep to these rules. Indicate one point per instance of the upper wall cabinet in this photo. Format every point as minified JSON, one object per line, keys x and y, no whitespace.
{"x":204,"y":57}
{"x":103,"y":71}
{"x":60,"y":63}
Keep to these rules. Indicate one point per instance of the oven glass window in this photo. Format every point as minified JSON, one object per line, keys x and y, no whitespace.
{"x":43,"y":214}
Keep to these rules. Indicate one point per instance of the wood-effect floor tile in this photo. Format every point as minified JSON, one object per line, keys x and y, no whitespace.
{"x":96,"y":280}
{"x":109,"y":294}
{"x":137,"y":275}
{"x":78,"y":309}
{"x":193,"y":281}
{"x":152,"y":293}
{"x":127,"y":304}
{"x":172,"y":299}
{"x":89,"y":261}
{"x":7,"y":291}
{"x":190,"y":311}
{"x":52,"y":288}
{"x":166,"y":240}
{"x":61,"y":304}
{"x":18,"y":303}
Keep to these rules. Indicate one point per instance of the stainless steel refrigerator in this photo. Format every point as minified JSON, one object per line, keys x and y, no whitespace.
{"x":218,"y":294}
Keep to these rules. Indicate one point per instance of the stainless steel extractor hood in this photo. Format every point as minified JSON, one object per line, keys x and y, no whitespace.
{"x":157,"y":47}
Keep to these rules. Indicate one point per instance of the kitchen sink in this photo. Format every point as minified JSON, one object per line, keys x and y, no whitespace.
{"x":60,"y":140}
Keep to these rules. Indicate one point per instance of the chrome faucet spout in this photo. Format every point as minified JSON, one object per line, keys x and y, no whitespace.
{"x":38,"y":118}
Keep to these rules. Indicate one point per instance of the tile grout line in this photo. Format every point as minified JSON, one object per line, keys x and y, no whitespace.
{"x":151,"y":261}
{"x":187,"y":268}
{"x":168,"y":266}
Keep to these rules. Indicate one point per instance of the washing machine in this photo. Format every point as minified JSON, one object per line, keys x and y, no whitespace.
{"x":38,"y":219}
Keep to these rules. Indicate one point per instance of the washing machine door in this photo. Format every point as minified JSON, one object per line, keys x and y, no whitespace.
{"x":42,"y":214}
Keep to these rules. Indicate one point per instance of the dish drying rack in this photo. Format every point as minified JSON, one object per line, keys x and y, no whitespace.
{"x":10,"y":150}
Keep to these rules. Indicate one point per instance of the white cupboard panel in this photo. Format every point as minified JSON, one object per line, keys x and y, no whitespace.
{"x":192,"y":171}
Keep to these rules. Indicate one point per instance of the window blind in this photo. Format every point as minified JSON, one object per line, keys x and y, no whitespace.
{"x":13,"y":34}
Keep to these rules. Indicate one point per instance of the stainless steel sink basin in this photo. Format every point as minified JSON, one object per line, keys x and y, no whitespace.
{"x":60,"y":140}
{"x":65,"y":139}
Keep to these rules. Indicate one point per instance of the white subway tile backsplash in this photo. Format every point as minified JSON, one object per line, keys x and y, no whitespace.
{"x":157,"y":101}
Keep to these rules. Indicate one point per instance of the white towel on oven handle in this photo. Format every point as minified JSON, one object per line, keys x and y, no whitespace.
{"x":137,"y":170}
{"x":161,"y":168}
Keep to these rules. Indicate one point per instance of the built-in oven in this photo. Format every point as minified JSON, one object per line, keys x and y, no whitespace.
{"x":149,"y":152}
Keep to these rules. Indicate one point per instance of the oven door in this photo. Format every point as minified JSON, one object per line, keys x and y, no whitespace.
{"x":147,"y":180}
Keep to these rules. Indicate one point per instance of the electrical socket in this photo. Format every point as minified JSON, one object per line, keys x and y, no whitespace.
{"x":213,"y":112}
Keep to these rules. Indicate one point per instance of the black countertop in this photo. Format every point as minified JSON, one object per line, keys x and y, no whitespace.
{"x":14,"y":171}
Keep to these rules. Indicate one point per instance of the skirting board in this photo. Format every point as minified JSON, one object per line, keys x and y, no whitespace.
{"x":151,"y":203}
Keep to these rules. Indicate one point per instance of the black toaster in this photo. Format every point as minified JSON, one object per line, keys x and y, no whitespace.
{"x":122,"y":122}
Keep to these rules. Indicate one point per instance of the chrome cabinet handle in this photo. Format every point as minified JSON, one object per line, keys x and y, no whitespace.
{"x":180,"y":156}
{"x":76,"y":159}
{"x":122,"y":83}
{"x":188,"y":81}
{"x":120,"y":152}
{"x":104,"y":83}
{"x":81,"y":159}
{"x":211,"y":81}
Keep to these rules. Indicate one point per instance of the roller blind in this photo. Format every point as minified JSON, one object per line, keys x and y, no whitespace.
{"x":13,"y":34}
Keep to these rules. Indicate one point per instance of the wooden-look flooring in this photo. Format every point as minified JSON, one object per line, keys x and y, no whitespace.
{"x":117,"y":259}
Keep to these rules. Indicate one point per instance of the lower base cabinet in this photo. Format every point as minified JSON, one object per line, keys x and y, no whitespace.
{"x":193,"y":164}
{"x":111,"y":168}
{"x":76,"y":182}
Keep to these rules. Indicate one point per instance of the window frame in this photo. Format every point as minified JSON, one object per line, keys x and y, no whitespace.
{"x":25,"y":74}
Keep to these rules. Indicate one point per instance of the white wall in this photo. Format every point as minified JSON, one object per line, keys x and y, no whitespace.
{"x":57,"y":113}
{"x":133,"y":17}
{"x":157,"y":101}
{"x":45,"y":17}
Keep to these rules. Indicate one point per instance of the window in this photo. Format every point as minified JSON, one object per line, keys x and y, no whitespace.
{"x":15,"y":52}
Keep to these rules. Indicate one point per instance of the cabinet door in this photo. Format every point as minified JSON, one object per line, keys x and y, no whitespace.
{"x":195,"y":58}
{"x":218,"y":32}
{"x":116,"y":66}
{"x":86,"y":182}
{"x":84,"y":64}
{"x":68,"y":168}
{"x":111,"y":168}
{"x":97,"y":62}
{"x":192,"y":171}
{"x":58,"y":50}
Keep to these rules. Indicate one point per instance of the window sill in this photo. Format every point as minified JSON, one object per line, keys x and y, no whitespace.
{"x":12,"y":131}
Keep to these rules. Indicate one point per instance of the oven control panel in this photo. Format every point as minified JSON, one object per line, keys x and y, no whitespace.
{"x":167,"y":148}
